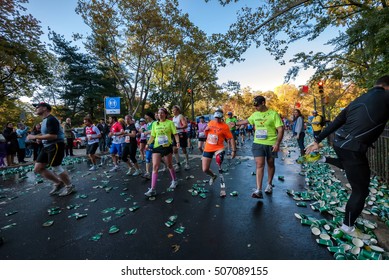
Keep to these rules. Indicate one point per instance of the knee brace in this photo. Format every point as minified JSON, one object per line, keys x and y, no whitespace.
{"x":58,"y":169}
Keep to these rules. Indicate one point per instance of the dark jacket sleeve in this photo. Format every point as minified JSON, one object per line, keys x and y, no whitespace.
{"x":333,"y":126}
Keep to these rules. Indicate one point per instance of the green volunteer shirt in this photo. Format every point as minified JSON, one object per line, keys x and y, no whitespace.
{"x":266,"y":124}
{"x":229,"y":120}
{"x":162,"y":133}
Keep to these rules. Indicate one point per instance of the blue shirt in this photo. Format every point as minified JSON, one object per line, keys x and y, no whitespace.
{"x":51,"y":125}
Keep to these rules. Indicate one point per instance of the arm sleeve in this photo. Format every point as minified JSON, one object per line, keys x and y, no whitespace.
{"x":52,"y":126}
{"x":333,"y":126}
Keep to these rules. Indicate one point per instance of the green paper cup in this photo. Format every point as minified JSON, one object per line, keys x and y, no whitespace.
{"x":325,"y":242}
{"x":340,"y":256}
{"x":336,"y":249}
{"x":306,"y":222}
{"x":371,"y":255}
{"x":337,"y":233}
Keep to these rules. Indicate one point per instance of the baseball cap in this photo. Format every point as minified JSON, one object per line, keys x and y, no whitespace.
{"x":229,"y":113}
{"x":42,"y":104}
{"x":142,"y":120}
{"x":314,"y":112}
{"x":218,"y":114}
{"x":258,"y":100}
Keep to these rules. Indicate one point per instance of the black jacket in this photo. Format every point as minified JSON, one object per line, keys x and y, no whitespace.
{"x":360,"y":124}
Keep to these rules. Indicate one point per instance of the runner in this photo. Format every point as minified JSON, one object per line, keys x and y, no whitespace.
{"x":143,"y":138}
{"x":53,"y":139}
{"x":116,"y":132}
{"x":217,"y":132}
{"x":130,"y":146}
{"x":161,"y":137}
{"x":202,"y":125}
{"x":150,"y":119}
{"x":92,"y":135}
{"x":231,"y":121}
{"x":181,"y":126}
{"x":269,"y":131}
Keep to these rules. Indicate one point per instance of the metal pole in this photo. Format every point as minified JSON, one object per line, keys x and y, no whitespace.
{"x":192,"y":103}
{"x":314,"y":103}
{"x":323,"y":108}
{"x":105,"y":111}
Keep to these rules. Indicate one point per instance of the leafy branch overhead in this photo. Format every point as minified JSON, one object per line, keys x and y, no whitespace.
{"x":152,"y":50}
{"x":359,"y":50}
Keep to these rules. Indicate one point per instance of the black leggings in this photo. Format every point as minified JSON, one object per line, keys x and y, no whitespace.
{"x":300,"y":143}
{"x":356,"y":166}
{"x":129,"y":150}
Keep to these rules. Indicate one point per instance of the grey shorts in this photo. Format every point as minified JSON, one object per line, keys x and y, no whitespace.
{"x":260,"y":150}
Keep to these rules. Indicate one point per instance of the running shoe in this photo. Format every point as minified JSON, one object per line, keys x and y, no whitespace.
{"x":56,"y":188}
{"x":114,"y":168}
{"x":269,"y":189}
{"x":173,"y":184}
{"x":257,"y":194}
{"x":212,"y":180}
{"x":67,"y":190}
{"x":150,"y":192}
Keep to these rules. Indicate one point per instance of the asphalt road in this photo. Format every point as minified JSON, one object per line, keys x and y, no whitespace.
{"x":235,"y":228}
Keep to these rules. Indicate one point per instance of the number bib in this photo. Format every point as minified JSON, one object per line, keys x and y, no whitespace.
{"x":201,"y":134}
{"x":127,"y":139}
{"x":261,"y":134}
{"x":163,"y":140}
{"x":212,"y":139}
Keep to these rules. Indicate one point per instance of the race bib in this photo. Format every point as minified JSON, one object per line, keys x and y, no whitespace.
{"x":261,"y":134}
{"x":201,"y":134}
{"x":127,"y":139}
{"x":163,"y":140}
{"x":212,"y":139}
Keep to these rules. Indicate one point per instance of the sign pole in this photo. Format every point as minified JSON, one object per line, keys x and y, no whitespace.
{"x":105,"y":110}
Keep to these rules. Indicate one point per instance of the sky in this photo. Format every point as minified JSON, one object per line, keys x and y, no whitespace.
{"x":259,"y":71}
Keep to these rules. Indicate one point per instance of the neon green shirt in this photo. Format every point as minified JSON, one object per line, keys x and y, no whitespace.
{"x":229,"y":120}
{"x":162,"y":133}
{"x":266,"y":124}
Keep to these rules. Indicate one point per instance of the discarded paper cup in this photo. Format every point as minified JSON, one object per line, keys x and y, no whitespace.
{"x":345,"y":246}
{"x":325,"y":236}
{"x":337,"y":233}
{"x":371,"y":255}
{"x":336,"y":249}
{"x":355,"y":250}
{"x":306,"y":222}
{"x":327,"y":227}
{"x":340,"y":257}
{"x":357,"y":242}
{"x":315,"y":230}
{"x":324,"y":242}
{"x":377,"y":249}
{"x":347,"y":237}
{"x":321,"y":222}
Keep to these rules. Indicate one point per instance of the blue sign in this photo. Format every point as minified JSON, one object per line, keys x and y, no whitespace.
{"x":112,"y":105}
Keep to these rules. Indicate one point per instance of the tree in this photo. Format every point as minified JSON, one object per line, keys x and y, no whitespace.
{"x":22,"y":55}
{"x":152,"y":50}
{"x":360,"y":53}
{"x":83,"y":82}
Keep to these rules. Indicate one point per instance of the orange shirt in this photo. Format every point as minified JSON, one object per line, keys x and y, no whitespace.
{"x":216,"y":134}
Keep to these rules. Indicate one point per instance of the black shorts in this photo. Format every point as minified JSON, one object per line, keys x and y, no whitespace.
{"x":91,"y":148}
{"x":143,"y":141}
{"x":52,"y":155}
{"x":183,"y":140}
{"x":164,"y":151}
